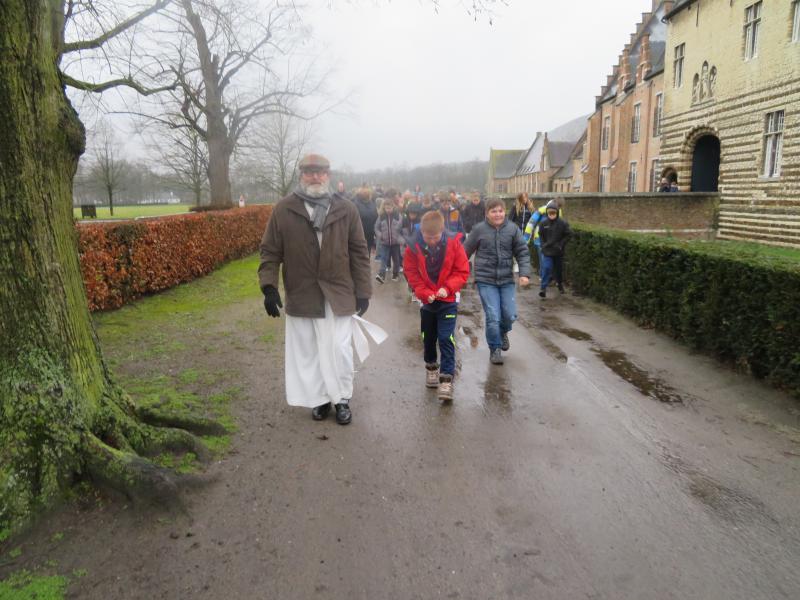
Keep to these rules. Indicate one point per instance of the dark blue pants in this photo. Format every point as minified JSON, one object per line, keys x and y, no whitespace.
{"x":552,"y":267}
{"x":390,"y":255}
{"x":438,"y":323}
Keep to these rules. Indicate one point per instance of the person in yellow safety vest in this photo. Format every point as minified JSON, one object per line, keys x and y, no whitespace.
{"x":532,"y":228}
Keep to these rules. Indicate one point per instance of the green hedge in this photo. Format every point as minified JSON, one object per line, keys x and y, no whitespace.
{"x":740,"y":306}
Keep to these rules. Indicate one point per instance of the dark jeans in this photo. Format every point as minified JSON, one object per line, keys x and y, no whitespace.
{"x":390,"y":254}
{"x":438,"y":324}
{"x":552,"y":267}
{"x":499,"y":309}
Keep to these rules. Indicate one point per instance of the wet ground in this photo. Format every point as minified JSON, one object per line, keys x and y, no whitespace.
{"x":601,"y":461}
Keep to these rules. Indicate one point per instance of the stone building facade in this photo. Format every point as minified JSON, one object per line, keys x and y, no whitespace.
{"x":732,"y":112}
{"x":622,"y":152}
{"x":549,"y":152}
{"x":502,"y":166}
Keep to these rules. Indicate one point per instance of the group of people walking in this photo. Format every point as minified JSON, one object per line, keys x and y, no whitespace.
{"x":430,"y":239}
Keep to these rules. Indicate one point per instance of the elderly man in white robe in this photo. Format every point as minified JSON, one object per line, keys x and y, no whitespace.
{"x":316,"y":240}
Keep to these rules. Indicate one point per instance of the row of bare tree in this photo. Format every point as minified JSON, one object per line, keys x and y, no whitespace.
{"x":214,"y":80}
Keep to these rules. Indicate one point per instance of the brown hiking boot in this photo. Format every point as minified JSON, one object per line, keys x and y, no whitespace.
{"x":432,"y":376}
{"x":446,"y":388}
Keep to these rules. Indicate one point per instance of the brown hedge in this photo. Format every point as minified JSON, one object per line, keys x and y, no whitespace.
{"x":125,"y":260}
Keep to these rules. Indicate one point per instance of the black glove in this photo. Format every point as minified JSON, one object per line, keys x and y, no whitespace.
{"x":362,"y":304}
{"x":272,"y":300}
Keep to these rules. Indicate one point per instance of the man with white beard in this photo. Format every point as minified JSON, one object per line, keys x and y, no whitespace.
{"x":317,"y":238}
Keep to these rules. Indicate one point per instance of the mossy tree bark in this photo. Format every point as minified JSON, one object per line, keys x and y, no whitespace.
{"x":60,"y":412}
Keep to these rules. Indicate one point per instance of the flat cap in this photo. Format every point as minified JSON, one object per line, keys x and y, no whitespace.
{"x":314,"y":161}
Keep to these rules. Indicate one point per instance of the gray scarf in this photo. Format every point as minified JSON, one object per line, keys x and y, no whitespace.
{"x":320,"y":205}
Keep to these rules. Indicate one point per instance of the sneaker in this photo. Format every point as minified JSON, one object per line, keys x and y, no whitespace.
{"x":432,"y":376}
{"x":446,"y":388}
{"x":561,"y":287}
{"x":380,"y":278}
{"x":496,"y":357}
{"x":506,"y":344}
{"x":395,"y":278}
{"x":343,"y":414}
{"x":319,"y":413}
{"x":542,"y":293}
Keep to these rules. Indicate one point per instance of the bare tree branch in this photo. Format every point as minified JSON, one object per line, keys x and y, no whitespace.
{"x":107,"y":85}
{"x":115,"y":31}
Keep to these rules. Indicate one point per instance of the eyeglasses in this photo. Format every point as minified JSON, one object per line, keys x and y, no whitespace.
{"x":312,"y":172}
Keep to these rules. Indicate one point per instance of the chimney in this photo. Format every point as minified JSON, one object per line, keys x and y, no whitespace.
{"x":644,"y":56}
{"x":625,"y":68}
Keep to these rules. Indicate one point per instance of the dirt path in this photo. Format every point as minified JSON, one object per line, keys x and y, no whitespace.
{"x":601,"y":461}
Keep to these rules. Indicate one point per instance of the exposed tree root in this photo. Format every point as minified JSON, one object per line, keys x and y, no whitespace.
{"x":135,"y":477}
{"x":176,"y":440}
{"x":166,"y":418}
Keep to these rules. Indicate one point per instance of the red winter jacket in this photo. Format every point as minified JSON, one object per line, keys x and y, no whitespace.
{"x":452,"y":277}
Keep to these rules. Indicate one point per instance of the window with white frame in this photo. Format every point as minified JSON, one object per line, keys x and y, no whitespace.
{"x":603,"y":179}
{"x":606,"y":133}
{"x":658,"y":112}
{"x":632,"y":172}
{"x":655,"y":175}
{"x":636,"y":123}
{"x":796,"y":20}
{"x":752,"y":25}
{"x":677,"y":65}
{"x":773,"y":143}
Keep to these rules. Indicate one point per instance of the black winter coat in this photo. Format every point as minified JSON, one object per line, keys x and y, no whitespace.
{"x":495,"y":250}
{"x":472,"y":214}
{"x":554,"y":235}
{"x":369,"y":214}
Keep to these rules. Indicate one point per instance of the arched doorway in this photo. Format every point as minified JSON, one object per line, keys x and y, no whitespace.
{"x":705,"y":164}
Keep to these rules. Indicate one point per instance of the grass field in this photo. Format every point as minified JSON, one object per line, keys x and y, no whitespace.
{"x":761,"y":249}
{"x":131,"y":212}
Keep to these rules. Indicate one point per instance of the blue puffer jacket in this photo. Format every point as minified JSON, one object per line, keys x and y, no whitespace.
{"x":494,"y":249}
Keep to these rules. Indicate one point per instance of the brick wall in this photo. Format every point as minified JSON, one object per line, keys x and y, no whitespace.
{"x":682,"y":214}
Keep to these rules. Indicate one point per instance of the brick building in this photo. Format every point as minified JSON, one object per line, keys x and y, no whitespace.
{"x":502,"y":165}
{"x":732,"y":112}
{"x":548,"y":153}
{"x":623,"y":142}
{"x":569,"y":178}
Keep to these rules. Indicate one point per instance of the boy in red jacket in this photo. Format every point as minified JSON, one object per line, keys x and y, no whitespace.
{"x":436,"y":268}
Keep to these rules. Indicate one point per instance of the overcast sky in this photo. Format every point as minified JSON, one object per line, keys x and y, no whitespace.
{"x":427,"y":87}
{"x":443,"y":87}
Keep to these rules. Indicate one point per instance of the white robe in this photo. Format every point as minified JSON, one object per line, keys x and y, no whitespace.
{"x":319,"y":356}
{"x":319,"y":359}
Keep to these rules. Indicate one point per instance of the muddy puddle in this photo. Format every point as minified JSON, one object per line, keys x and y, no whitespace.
{"x":648,"y":385}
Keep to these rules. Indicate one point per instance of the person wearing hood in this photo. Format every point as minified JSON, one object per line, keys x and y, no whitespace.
{"x":532,"y":228}
{"x":554,"y":233}
{"x":308,"y":233}
{"x":436,"y":269}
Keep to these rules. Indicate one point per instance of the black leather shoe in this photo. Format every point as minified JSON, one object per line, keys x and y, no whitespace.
{"x":318,"y":413}
{"x":343,"y":414}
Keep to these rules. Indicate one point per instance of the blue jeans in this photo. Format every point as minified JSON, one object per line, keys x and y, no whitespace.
{"x":499,"y":309}
{"x":438,"y":324}
{"x":552,"y":267}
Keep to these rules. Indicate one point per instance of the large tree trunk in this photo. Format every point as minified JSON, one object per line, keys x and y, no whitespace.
{"x":60,"y":413}
{"x":219,"y":165}
{"x":110,"y":193}
{"x":217,"y":136}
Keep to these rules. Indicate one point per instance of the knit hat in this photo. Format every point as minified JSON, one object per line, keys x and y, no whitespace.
{"x":552,"y":205}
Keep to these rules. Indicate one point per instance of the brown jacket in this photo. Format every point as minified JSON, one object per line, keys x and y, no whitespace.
{"x":338,"y":272}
